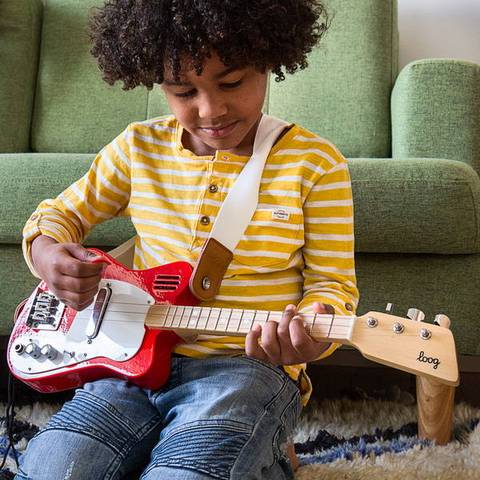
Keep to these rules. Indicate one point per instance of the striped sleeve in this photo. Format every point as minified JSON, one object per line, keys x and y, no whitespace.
{"x":328,"y":252}
{"x":102,"y":193}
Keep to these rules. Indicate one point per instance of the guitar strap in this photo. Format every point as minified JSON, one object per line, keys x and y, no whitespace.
{"x":232,"y":219}
{"x":235,"y":214}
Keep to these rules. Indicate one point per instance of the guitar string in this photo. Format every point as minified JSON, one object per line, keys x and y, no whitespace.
{"x":334,"y":329}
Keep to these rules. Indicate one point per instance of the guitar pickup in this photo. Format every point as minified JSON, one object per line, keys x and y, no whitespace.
{"x":99,"y":309}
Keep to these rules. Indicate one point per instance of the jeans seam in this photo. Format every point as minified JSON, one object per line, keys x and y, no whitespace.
{"x":242,"y":428}
{"x":184,"y":465}
{"x":129,"y":446}
{"x":118,"y":415}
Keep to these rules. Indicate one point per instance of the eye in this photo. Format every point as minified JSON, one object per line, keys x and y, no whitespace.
{"x":190,"y":93}
{"x":232,"y":85}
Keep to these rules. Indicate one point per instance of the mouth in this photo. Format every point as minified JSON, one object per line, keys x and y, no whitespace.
{"x":219,"y":131}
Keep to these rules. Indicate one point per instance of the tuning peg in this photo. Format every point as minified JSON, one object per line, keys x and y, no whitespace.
{"x":389,"y":307}
{"x":442,"y":320}
{"x":415,"y":314}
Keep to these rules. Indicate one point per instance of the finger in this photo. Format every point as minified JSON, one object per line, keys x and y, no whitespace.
{"x":301,"y":341}
{"x":252,"y":346}
{"x":270,"y":343}
{"x":323,"y":308}
{"x":78,"y":285}
{"x":71,"y":266}
{"x":76,"y":300}
{"x":283,"y":331}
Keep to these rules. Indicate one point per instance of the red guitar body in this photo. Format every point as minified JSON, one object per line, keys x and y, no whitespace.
{"x":47,"y":328}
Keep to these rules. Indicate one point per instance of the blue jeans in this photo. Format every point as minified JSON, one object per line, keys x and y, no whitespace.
{"x":217,"y":418}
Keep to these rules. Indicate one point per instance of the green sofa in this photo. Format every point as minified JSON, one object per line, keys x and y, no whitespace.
{"x":412,"y":140}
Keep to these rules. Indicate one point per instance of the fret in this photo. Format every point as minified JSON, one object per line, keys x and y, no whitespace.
{"x":262,"y":317}
{"x":234,"y":322}
{"x":223,"y":320}
{"x":254,"y":319}
{"x":201,"y":316}
{"x":331,"y":325}
{"x":240,"y":321}
{"x":194,"y":316}
{"x":228,"y":321}
{"x":208,"y":319}
{"x":181,"y":325}
{"x":246,"y":322}
{"x":175,"y":317}
{"x":218,"y":319}
{"x":168,"y":317}
{"x":189,"y":316}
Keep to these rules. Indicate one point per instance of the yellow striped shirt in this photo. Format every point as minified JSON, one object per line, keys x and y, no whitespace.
{"x":298,"y":248}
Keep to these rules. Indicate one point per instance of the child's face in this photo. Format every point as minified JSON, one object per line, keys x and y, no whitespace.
{"x":218,"y":109}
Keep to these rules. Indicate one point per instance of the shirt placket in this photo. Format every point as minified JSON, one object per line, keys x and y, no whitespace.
{"x":207,"y":211}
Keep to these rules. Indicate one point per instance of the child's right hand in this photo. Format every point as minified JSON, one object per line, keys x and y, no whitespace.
{"x":68,"y":270}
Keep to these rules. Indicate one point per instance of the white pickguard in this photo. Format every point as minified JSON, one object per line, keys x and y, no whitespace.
{"x":119,"y":338}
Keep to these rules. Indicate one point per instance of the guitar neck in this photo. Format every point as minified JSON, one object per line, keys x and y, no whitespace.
{"x":236,"y":322}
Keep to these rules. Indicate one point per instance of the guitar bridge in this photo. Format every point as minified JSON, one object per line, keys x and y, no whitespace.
{"x":46,"y":311}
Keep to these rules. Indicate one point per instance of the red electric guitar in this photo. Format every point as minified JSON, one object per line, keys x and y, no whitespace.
{"x":129,"y":332}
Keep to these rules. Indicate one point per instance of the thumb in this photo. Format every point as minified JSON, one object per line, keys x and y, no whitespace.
{"x":79,"y":252}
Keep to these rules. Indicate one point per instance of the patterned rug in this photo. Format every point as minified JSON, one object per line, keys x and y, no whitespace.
{"x":350,"y":438}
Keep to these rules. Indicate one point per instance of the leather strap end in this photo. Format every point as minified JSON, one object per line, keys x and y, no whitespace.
{"x":19,"y":309}
{"x":209,"y":271}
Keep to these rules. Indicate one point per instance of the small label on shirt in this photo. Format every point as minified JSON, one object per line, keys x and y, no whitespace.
{"x":280,"y":214}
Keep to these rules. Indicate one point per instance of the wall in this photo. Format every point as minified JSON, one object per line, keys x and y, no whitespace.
{"x":439,"y":28}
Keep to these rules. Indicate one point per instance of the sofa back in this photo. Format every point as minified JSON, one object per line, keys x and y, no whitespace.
{"x":20,"y":23}
{"x":344,"y":95}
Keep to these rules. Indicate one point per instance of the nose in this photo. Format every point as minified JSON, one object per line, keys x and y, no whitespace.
{"x":212,"y":106}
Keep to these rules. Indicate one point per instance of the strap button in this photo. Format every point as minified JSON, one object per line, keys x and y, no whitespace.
{"x":205,"y":220}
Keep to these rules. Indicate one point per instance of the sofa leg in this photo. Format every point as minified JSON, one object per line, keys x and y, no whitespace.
{"x":435,"y":403}
{"x":292,"y":456}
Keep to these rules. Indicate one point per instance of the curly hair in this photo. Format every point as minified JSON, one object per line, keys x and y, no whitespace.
{"x":134,"y":40}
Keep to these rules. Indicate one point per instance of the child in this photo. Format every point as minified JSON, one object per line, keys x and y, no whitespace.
{"x":230,"y":404}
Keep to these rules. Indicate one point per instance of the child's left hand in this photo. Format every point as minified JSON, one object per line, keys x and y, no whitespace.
{"x":286,"y":342}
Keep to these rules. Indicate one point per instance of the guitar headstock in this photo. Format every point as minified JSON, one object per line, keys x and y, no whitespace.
{"x":413,"y":346}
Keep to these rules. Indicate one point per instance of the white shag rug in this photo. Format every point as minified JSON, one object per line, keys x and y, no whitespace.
{"x":339,"y":440}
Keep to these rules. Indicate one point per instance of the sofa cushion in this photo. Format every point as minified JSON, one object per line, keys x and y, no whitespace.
{"x":344,"y":94}
{"x":20,"y":22}
{"x":436,"y":111}
{"x":415,"y":205}
{"x":75,"y":110}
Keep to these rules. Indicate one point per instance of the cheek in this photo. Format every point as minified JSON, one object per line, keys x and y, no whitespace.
{"x":180,"y":109}
{"x":253,"y":97}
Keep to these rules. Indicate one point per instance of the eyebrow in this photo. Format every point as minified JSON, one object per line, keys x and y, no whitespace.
{"x":219,"y":75}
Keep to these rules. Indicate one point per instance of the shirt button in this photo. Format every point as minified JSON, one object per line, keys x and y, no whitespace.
{"x":205,"y":220}
{"x":213,"y":188}
{"x":224,"y":157}
{"x":34,"y":216}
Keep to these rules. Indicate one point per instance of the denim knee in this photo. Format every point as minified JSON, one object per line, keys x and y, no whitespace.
{"x":91,"y":438}
{"x":208,"y":447}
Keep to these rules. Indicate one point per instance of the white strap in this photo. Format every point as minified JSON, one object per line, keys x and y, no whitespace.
{"x":242,"y":200}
